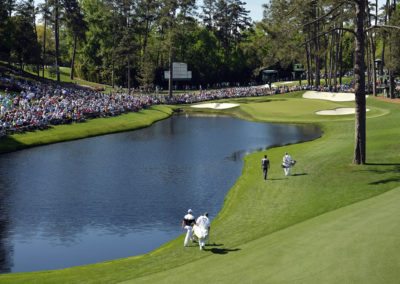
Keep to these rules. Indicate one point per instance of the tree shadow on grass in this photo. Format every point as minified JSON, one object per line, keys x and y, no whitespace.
{"x":384,"y":181}
{"x":382,"y":164}
{"x":392,"y":169}
{"x":384,"y":168}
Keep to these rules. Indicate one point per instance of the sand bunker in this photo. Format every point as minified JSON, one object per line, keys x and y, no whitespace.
{"x":216,"y":105}
{"x":337,"y":97}
{"x":338,"y":111}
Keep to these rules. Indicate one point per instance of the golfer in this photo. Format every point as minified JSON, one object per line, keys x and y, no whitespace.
{"x":265,"y":166}
{"x":287,"y":164}
{"x":187,"y":224}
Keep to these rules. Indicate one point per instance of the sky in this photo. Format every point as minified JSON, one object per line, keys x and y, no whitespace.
{"x":255,"y":8}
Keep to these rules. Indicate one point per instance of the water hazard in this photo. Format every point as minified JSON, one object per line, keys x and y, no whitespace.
{"x":124,"y":194}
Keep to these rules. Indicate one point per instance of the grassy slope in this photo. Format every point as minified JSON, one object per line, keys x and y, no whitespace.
{"x":255,"y":212}
{"x":65,"y":77}
{"x":354,"y":244}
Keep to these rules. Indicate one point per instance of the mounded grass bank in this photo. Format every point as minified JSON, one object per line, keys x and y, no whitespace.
{"x":89,"y":128}
{"x":321,"y":225}
{"x":65,"y":77}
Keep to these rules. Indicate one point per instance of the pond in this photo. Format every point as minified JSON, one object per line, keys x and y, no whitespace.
{"x":123,"y":194}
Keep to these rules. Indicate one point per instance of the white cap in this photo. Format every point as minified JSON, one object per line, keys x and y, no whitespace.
{"x":190,"y":211}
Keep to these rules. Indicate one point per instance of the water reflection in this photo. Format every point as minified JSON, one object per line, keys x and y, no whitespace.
{"x":6,"y":248}
{"x":125,"y":193}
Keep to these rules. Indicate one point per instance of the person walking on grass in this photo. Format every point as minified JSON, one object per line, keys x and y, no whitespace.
{"x":287,"y":164}
{"x":187,"y":224}
{"x":265,"y":166}
{"x":202,"y":229}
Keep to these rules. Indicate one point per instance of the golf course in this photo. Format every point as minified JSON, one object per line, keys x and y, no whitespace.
{"x":329,"y":222}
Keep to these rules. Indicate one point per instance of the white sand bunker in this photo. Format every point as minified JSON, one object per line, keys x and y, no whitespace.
{"x":338,"y":111}
{"x":337,"y":97}
{"x":216,"y":105}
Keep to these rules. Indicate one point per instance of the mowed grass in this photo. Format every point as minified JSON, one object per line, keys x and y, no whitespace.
{"x":353,"y":244}
{"x":331,"y":222}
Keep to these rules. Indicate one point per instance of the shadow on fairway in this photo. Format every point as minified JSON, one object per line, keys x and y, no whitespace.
{"x":300,"y":174}
{"x":382,"y":164}
{"x":383,"y":181}
{"x":223,"y":250}
{"x":384,"y":168}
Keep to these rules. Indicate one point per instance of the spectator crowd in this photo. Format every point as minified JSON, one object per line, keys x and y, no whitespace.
{"x":39,"y":105}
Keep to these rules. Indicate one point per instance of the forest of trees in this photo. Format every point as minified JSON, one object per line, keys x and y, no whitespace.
{"x":130,"y":43}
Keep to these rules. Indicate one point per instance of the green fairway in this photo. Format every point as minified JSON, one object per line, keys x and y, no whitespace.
{"x":353,"y":244}
{"x":330,"y":222}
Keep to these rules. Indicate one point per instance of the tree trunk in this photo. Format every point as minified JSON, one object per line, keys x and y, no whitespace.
{"x":359,"y":74}
{"x":373,"y":58}
{"x":335,"y":69}
{"x":57,"y":39}
{"x":129,"y":75}
{"x":317,"y":62}
{"x":113,"y":71}
{"x":171,"y":73}
{"x":331,"y":57}
{"x":384,"y":40}
{"x":44,"y":40}
{"x":71,"y":76}
{"x":341,"y":55}
{"x":368,"y":67}
{"x":145,"y":39}
{"x":373,"y":49}
{"x":390,"y":71}
{"x":392,"y":85}
{"x":308,"y":65}
{"x":326,"y":76}
{"x":317,"y":43}
{"x":36,"y":36}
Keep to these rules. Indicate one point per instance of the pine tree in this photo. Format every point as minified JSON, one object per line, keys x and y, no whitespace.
{"x":77,"y":26}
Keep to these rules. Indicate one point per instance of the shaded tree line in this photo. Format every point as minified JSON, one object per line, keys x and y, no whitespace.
{"x":128,"y":42}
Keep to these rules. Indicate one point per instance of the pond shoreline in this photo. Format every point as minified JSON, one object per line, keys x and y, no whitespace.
{"x":90,"y":128}
{"x":151,"y":171}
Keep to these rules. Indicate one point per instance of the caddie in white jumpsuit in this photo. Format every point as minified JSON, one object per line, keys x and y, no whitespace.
{"x":287,"y":163}
{"x":201,"y":229}
{"x":187,"y":223}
